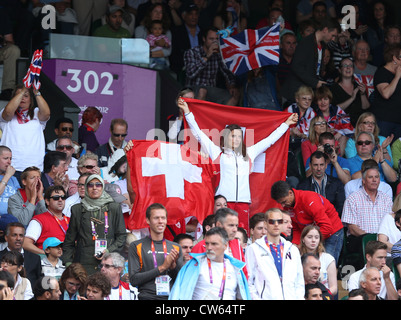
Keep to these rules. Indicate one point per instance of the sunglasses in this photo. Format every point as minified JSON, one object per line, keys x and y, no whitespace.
{"x":57,"y":198}
{"x":369,"y":123}
{"x":273,"y":221}
{"x":321,"y":123}
{"x":62,"y":147}
{"x":97,"y":185}
{"x":366,"y":142}
{"x":67,"y":129}
{"x":120,"y":135}
{"x":89,"y":167}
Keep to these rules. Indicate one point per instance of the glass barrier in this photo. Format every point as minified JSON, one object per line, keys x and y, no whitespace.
{"x":99,"y":49}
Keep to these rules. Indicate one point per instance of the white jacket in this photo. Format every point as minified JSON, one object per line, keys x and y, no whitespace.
{"x":234,"y":170}
{"x":263,"y":278}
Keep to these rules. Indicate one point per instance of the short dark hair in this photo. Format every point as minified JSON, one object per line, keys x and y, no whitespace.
{"x":208,"y":221}
{"x":53,"y":158}
{"x":280,"y":189}
{"x":6,"y":276}
{"x":374,"y":245}
{"x":369,"y":164}
{"x":42,"y":285}
{"x":206,"y":31}
{"x":318,"y":155}
{"x":256,"y":218}
{"x":329,"y":23}
{"x":219,"y":231}
{"x":100,"y":281}
{"x":182,"y":236}
{"x":62,"y":120}
{"x":305,"y":256}
{"x":222,"y":213}
{"x":326,"y":136}
{"x":154,"y":206}
{"x":244,"y":234}
{"x":391,"y":51}
{"x":14,"y":224}
{"x":51,"y":189}
{"x":358,"y":292}
{"x":309,"y":287}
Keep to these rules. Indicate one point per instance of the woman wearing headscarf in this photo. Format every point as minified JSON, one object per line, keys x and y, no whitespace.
{"x":96,"y":225}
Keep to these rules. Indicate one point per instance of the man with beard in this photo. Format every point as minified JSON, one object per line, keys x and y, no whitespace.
{"x":212,"y":275}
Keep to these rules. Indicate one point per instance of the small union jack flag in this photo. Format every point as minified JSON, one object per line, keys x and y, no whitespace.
{"x":367,"y":81}
{"x":33,"y":74}
{"x":251,"y":49}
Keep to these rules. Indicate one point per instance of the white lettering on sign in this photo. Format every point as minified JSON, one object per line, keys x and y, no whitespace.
{"x":90,"y":82}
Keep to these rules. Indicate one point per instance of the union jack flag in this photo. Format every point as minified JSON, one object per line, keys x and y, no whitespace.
{"x":33,"y":74}
{"x":251,"y":49}
{"x":367,"y":81}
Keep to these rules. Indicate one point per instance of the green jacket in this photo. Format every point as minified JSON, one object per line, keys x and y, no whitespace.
{"x":79,"y":245}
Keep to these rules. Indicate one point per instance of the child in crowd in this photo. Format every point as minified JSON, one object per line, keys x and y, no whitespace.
{"x":157,"y":40}
{"x":52,"y":264}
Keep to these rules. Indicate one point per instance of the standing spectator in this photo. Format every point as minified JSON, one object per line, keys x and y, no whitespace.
{"x":9,"y":184}
{"x":15,"y":237}
{"x":320,"y":182}
{"x":96,"y":226}
{"x":376,"y":257}
{"x":91,"y":119}
{"x":311,"y":242}
{"x":22,"y":124}
{"x":311,"y":268}
{"x":305,"y":9}
{"x":52,"y":223}
{"x":28,"y":201}
{"x":364,"y":210}
{"x":307,"y":59}
{"x":308,"y":207}
{"x":73,"y":282}
{"x":13,"y":262}
{"x":112,"y":266}
{"x":288,"y":43}
{"x":257,"y":227}
{"x":274,"y":264}
{"x":153,"y":261}
{"x":387,"y":95}
{"x":88,"y":12}
{"x":202,"y":276}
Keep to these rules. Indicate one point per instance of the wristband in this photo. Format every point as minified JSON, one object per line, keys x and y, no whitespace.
{"x":3,"y":182}
{"x":382,"y":161}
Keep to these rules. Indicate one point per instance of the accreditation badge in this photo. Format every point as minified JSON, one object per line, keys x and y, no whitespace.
{"x":163,"y":285}
{"x":100,"y":246}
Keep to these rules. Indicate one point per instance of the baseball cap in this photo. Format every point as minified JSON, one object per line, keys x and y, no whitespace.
{"x":115,"y":192}
{"x":51,"y":242}
{"x":112,"y":9}
{"x":5,"y":219}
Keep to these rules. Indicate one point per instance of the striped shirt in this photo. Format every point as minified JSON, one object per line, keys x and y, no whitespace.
{"x":360,"y":210}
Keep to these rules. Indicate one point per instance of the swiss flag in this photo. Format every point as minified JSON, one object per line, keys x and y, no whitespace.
{"x":269,"y":166}
{"x":170,"y":174}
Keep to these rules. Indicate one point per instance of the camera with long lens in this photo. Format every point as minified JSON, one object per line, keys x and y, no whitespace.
{"x":328,"y":149}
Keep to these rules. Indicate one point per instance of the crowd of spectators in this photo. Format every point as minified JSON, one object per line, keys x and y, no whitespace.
{"x":64,"y":205}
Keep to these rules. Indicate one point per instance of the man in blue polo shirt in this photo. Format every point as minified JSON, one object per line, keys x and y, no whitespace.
{"x":8,"y":182}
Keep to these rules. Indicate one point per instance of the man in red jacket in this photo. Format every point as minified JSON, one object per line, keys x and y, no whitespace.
{"x":308,"y":207}
{"x":227,"y":219}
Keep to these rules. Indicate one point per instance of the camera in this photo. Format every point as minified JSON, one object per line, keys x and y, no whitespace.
{"x":328,"y":149}
{"x":99,"y":255}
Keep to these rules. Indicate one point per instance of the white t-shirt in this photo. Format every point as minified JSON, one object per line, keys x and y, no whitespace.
{"x":128,"y":292}
{"x":388,"y":228}
{"x":25,"y":140}
{"x":325,"y":260}
{"x":204,"y":290}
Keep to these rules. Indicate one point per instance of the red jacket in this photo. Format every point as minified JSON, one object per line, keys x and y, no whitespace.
{"x":50,"y":227}
{"x":312,"y":208}
{"x":234,"y":245}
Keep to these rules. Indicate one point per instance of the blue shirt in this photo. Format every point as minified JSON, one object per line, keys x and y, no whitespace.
{"x":10,"y":189}
{"x":355,"y":164}
{"x":330,"y":170}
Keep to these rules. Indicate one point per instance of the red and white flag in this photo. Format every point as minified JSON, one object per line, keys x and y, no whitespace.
{"x":33,"y":74}
{"x":170,"y":174}
{"x":269,"y":166}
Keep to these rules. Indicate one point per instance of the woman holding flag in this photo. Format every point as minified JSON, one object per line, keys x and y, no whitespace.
{"x":235,"y":159}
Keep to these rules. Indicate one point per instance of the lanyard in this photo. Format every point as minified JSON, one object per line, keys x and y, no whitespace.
{"x":59,"y":222}
{"x":152,"y":245}
{"x":106,"y":227}
{"x":223,"y":281}
{"x":120,"y":292}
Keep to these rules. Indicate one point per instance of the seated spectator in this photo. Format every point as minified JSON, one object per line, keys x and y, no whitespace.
{"x":312,"y":242}
{"x":7,"y":282}
{"x":231,"y":15}
{"x":55,"y":170}
{"x":186,"y":243}
{"x":326,"y":185}
{"x":118,"y":132}
{"x":9,"y":184}
{"x":365,"y":145}
{"x":15,"y":237}
{"x":356,"y":184}
{"x":128,"y":17}
{"x":52,"y":223}
{"x":207,"y":224}
{"x":376,"y":258}
{"x":388,"y":232}
{"x":363,"y":211}
{"x":367,"y":123}
{"x":64,"y":127}
{"x":73,"y":282}
{"x":76,"y":197}
{"x":349,"y":94}
{"x":328,"y":72}
{"x":22,"y":125}
{"x":156,"y":35}
{"x":370,"y":282}
{"x":65,"y":145}
{"x":337,"y":166}
{"x":28,"y":201}
{"x":341,"y":48}
{"x":392,"y":36}
{"x":202,"y":64}
{"x":265,"y":22}
{"x":88,"y":163}
{"x":396,"y":248}
{"x":46,"y":288}
{"x":13,"y":262}
{"x":317,"y":126}
{"x":113,"y":27}
{"x":305,"y":8}
{"x":91,"y":119}
{"x":302,"y":106}
{"x":358,"y":294}
{"x":306,"y":27}
{"x":313,"y":292}
{"x":337,"y":120}
{"x":98,"y":287}
{"x":311,"y":268}
{"x":396,"y":154}
{"x":52,"y":264}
